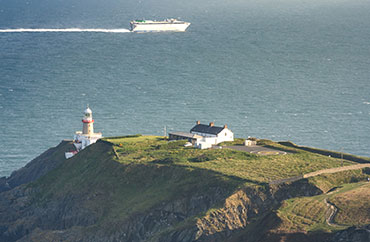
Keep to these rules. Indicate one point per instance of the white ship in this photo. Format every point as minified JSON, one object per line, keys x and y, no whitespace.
{"x":157,"y":26}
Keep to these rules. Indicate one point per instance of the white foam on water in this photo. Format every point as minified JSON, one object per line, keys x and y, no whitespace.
{"x":65,"y":30}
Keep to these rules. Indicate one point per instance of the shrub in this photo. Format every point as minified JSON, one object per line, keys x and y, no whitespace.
{"x":366,"y":170}
{"x":170,"y":160}
{"x":204,"y":157}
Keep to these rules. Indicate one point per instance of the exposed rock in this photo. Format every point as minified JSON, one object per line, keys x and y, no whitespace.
{"x":4,"y":186}
{"x":38,"y":167}
{"x":58,"y":219}
{"x":20,"y":215}
{"x":352,"y":234}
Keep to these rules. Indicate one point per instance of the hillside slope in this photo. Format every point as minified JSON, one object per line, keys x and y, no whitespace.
{"x":143,"y":188}
{"x":38,"y":167}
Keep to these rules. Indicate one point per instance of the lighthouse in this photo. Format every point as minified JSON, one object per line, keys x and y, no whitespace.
{"x":88,"y":122}
{"x":86,"y":137}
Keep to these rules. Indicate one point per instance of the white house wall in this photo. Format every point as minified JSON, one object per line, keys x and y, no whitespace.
{"x":225,"y":135}
{"x":211,"y":139}
{"x":204,"y":145}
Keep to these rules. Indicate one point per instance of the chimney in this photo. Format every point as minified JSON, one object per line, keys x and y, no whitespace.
{"x":198,"y":122}
{"x":211,"y":124}
{"x":225,"y":126}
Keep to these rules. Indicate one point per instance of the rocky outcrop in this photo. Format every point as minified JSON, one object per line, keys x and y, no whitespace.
{"x":4,"y":186}
{"x":36,"y":168}
{"x":170,"y":221}
{"x":352,"y":234}
{"x":236,"y":213}
{"x":151,"y":225}
{"x":246,"y":205}
{"x":20,"y":214}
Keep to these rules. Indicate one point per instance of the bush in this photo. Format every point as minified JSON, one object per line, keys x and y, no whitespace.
{"x":366,"y":170}
{"x":169,"y":160}
{"x":204,"y":157}
{"x":354,"y":179}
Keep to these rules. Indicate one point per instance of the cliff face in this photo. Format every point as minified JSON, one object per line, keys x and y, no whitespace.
{"x":352,"y":234}
{"x":92,"y":197}
{"x":36,"y":168}
{"x":69,"y":217}
{"x":61,"y":218}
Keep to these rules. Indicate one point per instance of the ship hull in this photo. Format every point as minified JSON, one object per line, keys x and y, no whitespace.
{"x":158,"y":27}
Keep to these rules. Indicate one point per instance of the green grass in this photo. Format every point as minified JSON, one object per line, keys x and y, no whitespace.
{"x":114,"y":189}
{"x":119,"y":177}
{"x":303,"y":214}
{"x":237,"y":141}
{"x":309,"y":214}
{"x":229,"y":165}
{"x":243,"y":165}
{"x":327,"y":182}
{"x":335,"y":154}
{"x":353,"y":205}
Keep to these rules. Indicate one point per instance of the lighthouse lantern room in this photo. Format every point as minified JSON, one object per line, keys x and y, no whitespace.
{"x":87,"y":137}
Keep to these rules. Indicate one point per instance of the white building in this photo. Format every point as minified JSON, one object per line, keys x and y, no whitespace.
{"x":86,"y":137}
{"x":211,"y":134}
{"x":203,"y":136}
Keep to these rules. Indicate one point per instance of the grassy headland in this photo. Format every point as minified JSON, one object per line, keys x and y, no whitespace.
{"x":242,"y":165}
{"x":145,"y":180}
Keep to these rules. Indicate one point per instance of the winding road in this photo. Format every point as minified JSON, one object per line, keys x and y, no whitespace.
{"x":333,"y":211}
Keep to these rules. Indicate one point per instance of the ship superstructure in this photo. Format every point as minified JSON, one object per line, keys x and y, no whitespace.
{"x":158,"y":26}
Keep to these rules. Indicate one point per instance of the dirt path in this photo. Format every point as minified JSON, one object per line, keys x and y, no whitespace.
{"x":337,"y":169}
{"x":333,"y":211}
{"x":316,"y":173}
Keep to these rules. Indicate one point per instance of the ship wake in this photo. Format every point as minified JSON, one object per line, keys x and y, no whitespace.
{"x":65,"y":30}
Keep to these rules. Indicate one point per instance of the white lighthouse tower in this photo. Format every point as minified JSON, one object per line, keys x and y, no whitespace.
{"x":88,"y":122}
{"x":87,"y":136}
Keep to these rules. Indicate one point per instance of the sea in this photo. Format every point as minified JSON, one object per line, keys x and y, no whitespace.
{"x":295,"y":70}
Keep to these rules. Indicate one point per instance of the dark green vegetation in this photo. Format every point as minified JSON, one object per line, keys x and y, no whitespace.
{"x":144,"y":188}
{"x":38,"y":167}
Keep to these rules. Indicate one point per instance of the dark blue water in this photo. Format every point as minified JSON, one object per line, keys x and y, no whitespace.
{"x":281,"y":70}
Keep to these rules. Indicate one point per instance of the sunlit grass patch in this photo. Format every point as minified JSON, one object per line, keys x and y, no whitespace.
{"x":244,"y":165}
{"x":353,"y":206}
